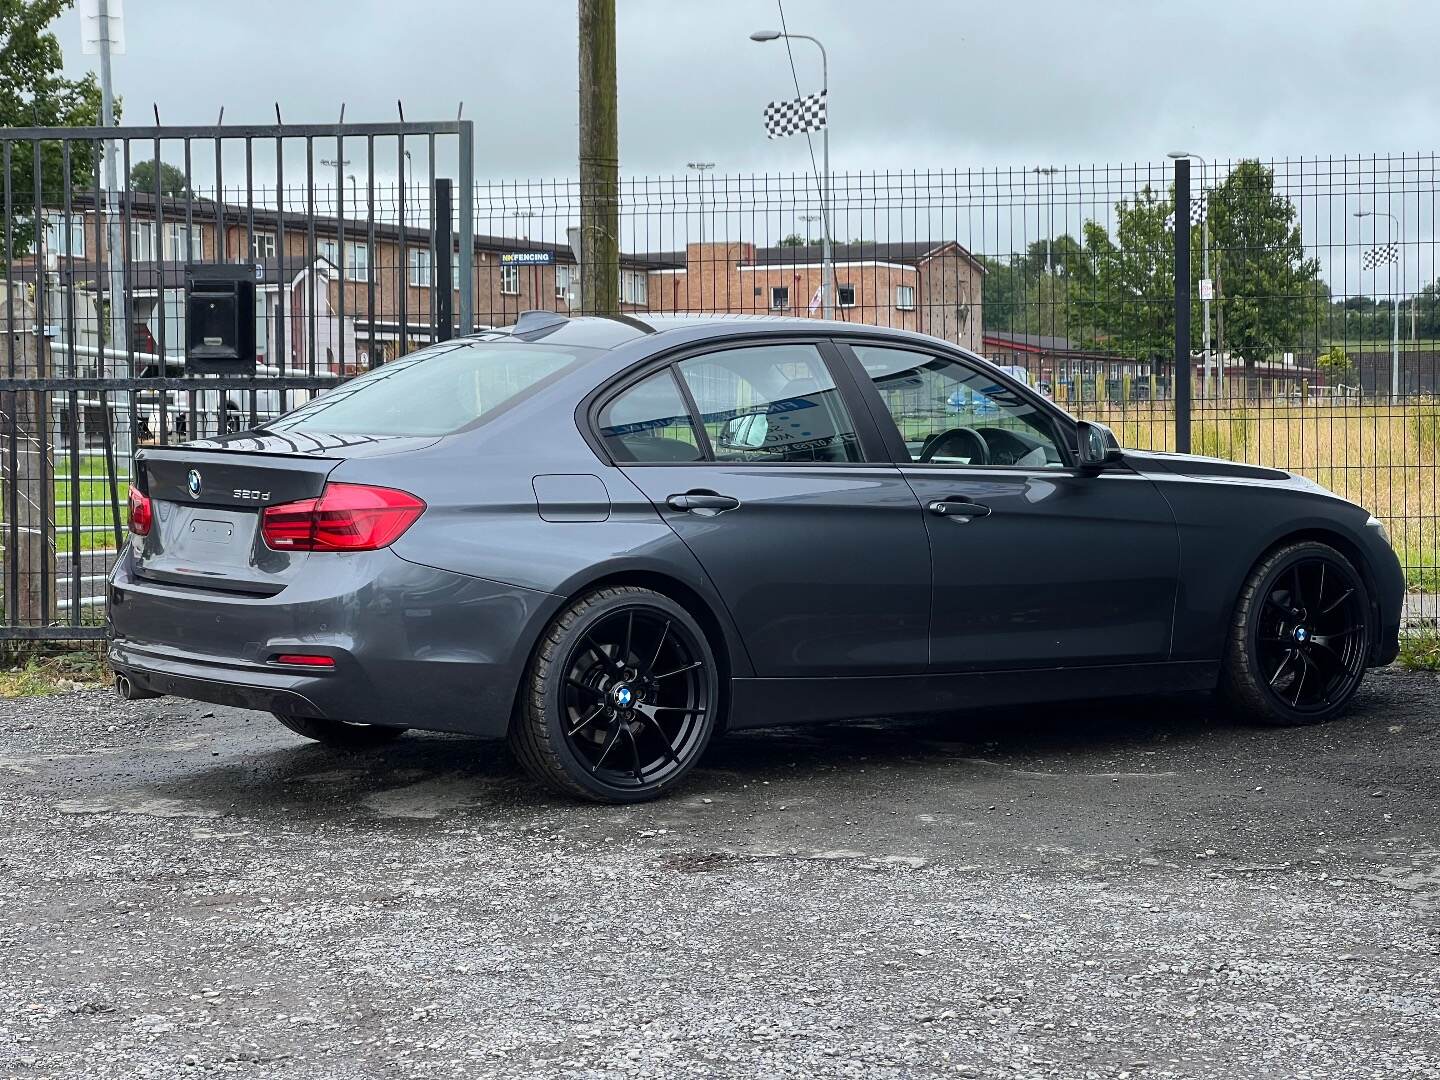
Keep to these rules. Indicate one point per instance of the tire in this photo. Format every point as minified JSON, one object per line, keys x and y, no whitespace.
{"x":1300,"y":638}
{"x":339,"y":734}
{"x":620,"y":699}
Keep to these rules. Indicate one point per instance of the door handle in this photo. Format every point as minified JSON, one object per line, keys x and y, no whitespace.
{"x":702,"y":500}
{"x":958,"y":508}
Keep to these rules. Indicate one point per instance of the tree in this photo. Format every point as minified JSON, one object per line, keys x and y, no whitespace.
{"x":1267,"y":284}
{"x":1337,"y":367}
{"x":1133,"y":305}
{"x":172,"y":180}
{"x":34,"y":93}
{"x":1426,"y":305}
{"x":793,"y":239}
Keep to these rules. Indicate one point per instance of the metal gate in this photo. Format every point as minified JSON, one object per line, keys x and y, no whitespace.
{"x":348,"y":230}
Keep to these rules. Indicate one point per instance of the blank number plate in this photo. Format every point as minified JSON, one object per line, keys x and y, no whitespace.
{"x":211,"y":532}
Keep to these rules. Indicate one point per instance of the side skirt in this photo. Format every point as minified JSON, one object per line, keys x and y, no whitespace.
{"x":757,"y":703}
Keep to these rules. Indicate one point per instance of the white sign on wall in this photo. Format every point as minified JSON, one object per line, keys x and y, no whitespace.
{"x":1207,"y":289}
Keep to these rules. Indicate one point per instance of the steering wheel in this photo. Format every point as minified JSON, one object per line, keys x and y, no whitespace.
{"x":958,"y":442}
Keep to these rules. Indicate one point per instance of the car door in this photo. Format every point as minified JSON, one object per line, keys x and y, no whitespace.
{"x":752,"y":456}
{"x":1035,"y":563}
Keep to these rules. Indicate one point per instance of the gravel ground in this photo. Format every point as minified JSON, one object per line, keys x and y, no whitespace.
{"x":1143,"y":891}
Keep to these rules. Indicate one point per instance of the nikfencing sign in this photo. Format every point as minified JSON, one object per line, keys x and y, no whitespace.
{"x":526,"y":258}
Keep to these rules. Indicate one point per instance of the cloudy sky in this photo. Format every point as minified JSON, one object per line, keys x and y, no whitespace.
{"x":938,"y":84}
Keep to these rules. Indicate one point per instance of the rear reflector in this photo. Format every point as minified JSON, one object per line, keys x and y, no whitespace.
{"x":140,"y":512}
{"x":305,"y":660}
{"x":346,"y":517}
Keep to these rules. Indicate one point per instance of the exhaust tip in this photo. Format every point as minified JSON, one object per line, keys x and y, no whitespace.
{"x":126,"y":688}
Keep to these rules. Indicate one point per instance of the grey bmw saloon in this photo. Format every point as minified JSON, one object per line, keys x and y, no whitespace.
{"x":610,"y":539}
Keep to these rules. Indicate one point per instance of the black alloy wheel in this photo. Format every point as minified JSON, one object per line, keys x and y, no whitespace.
{"x":622,"y":698}
{"x":1302,"y":636}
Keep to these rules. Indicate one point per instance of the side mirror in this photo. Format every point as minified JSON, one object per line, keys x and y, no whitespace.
{"x":1097,"y":445}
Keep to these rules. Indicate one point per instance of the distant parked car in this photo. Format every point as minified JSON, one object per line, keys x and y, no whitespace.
{"x":609,"y":539}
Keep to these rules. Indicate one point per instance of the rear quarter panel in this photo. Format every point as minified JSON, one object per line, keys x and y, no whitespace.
{"x":482,"y":517}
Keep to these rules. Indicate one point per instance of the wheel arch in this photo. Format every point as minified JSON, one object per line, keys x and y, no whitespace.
{"x":1342,"y":543}
{"x":728,"y":650}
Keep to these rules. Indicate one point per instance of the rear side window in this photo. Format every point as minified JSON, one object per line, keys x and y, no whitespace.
{"x":435,"y":391}
{"x":649,"y":422}
{"x":767,"y":404}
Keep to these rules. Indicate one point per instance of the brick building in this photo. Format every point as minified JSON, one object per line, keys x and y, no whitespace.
{"x":363,"y":291}
{"x":934,"y":288}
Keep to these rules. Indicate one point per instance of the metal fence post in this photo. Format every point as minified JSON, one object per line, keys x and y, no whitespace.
{"x":466,"y":146}
{"x":1183,"y":367}
{"x":440,"y":297}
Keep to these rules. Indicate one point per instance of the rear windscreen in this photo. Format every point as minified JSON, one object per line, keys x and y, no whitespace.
{"x":436,"y":391}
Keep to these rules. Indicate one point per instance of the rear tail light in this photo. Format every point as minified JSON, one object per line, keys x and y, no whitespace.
{"x":346,"y":517}
{"x":140,"y":512}
{"x":309,"y":660}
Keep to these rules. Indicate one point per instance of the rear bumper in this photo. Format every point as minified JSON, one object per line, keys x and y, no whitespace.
{"x":413,"y":646}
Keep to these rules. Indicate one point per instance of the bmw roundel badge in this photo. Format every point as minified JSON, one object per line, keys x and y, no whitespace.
{"x":192,"y":483}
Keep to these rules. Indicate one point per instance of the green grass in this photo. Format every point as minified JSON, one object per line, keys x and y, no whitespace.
{"x":34,"y":669}
{"x":1419,"y":650}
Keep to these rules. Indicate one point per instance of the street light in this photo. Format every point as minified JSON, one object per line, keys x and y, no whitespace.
{"x":1049,"y":172}
{"x":827,"y":273}
{"x":1207,"y":288}
{"x":1394,"y":302}
{"x":808,"y":219}
{"x":701,"y":167}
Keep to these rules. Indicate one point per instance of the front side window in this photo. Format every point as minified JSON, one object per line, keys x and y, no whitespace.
{"x":262,"y":245}
{"x":950,"y":413}
{"x":845,"y":294}
{"x":779,"y":297}
{"x":510,"y":280}
{"x":435,"y":391}
{"x":328,"y":250}
{"x":905,"y":297}
{"x":562,"y":284}
{"x":770,"y":404}
{"x":649,"y":422}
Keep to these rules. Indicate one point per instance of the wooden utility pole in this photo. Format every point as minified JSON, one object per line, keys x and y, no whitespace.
{"x":599,"y":161}
{"x":28,"y":579}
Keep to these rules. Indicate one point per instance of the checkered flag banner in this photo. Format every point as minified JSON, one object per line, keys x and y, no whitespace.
{"x":1198,"y":209}
{"x":796,"y":116}
{"x":1379,"y":256}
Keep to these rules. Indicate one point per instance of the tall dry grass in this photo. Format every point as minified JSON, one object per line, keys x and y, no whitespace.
{"x":1384,"y":456}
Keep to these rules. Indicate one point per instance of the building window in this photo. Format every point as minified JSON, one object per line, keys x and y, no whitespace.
{"x":142,"y":241}
{"x":845,"y":295}
{"x":420,"y":267}
{"x":262,"y":245}
{"x":564,"y":276}
{"x":183,"y":244}
{"x":510,"y":281}
{"x":65,"y":236}
{"x":455,"y":271}
{"x":779,"y":298}
{"x":905,"y":297}
{"x":633,"y":287}
{"x":329,"y":250}
{"x":357,"y":262}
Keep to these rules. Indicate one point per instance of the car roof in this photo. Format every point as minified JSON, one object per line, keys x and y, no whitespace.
{"x":613,"y":331}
